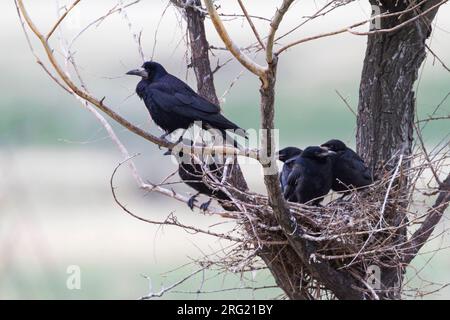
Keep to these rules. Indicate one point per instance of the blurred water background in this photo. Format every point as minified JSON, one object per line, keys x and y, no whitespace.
{"x":56,"y":207}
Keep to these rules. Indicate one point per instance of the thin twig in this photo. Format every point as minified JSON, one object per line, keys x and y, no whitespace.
{"x":251,"y":65}
{"x":63,"y":16}
{"x":250,"y":22}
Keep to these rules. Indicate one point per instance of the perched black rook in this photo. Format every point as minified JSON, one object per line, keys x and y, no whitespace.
{"x":174,"y":105}
{"x":311,"y":176}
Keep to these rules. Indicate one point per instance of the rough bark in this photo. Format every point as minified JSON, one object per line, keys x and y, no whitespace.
{"x":199,"y":53}
{"x":287,"y":272}
{"x":386,"y":97}
{"x":199,"y":49}
{"x":387,"y":103}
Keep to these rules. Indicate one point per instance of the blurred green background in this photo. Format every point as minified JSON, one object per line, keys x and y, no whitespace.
{"x":56,"y":207}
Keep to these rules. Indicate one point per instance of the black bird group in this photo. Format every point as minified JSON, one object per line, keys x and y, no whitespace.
{"x":308,"y":175}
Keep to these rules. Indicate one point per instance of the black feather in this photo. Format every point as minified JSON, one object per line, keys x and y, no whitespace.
{"x":174,"y":105}
{"x":349,"y":170}
{"x":310,"y":178}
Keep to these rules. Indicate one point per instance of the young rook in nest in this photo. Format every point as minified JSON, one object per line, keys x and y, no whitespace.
{"x":311,"y":176}
{"x":287,"y":156}
{"x":349,"y":170}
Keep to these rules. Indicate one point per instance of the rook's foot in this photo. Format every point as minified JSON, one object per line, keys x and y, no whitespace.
{"x":180,"y":139}
{"x":204,"y":206}
{"x":163,"y":137}
{"x":191,"y":201}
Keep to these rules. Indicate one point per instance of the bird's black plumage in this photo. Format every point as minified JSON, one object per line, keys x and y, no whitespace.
{"x":287,"y":156}
{"x":311,"y":176}
{"x":192,"y":174}
{"x":174,"y":105}
{"x":349,"y":170}
{"x":288,"y":153}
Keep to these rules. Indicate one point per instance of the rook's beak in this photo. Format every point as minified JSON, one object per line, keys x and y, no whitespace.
{"x":167,"y":153}
{"x":138,"y":72}
{"x":326,"y":152}
{"x":279,"y":156}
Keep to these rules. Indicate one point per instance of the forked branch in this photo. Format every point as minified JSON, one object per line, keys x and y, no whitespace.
{"x":246,"y":61}
{"x":274,"y":27}
{"x":252,"y":25}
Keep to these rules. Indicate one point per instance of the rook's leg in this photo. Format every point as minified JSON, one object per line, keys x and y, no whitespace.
{"x":192,"y":200}
{"x":205,"y":205}
{"x":181,"y":136}
{"x":163,"y":137}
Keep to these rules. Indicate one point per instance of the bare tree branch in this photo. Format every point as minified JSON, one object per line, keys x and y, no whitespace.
{"x":98,"y":103}
{"x":61,"y":18}
{"x":276,"y":20}
{"x":159,"y":294}
{"x":437,"y":58}
{"x":231,"y":46}
{"x":434,"y":215}
{"x":199,"y":48}
{"x":374,"y":18}
{"x":171,"y":220}
{"x":250,"y":22}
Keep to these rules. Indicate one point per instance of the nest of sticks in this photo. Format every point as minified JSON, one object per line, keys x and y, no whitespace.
{"x":351,"y":233}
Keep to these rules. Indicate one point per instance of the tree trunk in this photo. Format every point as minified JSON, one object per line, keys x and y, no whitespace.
{"x":387,"y":103}
{"x":199,"y":54}
{"x":199,"y":48}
